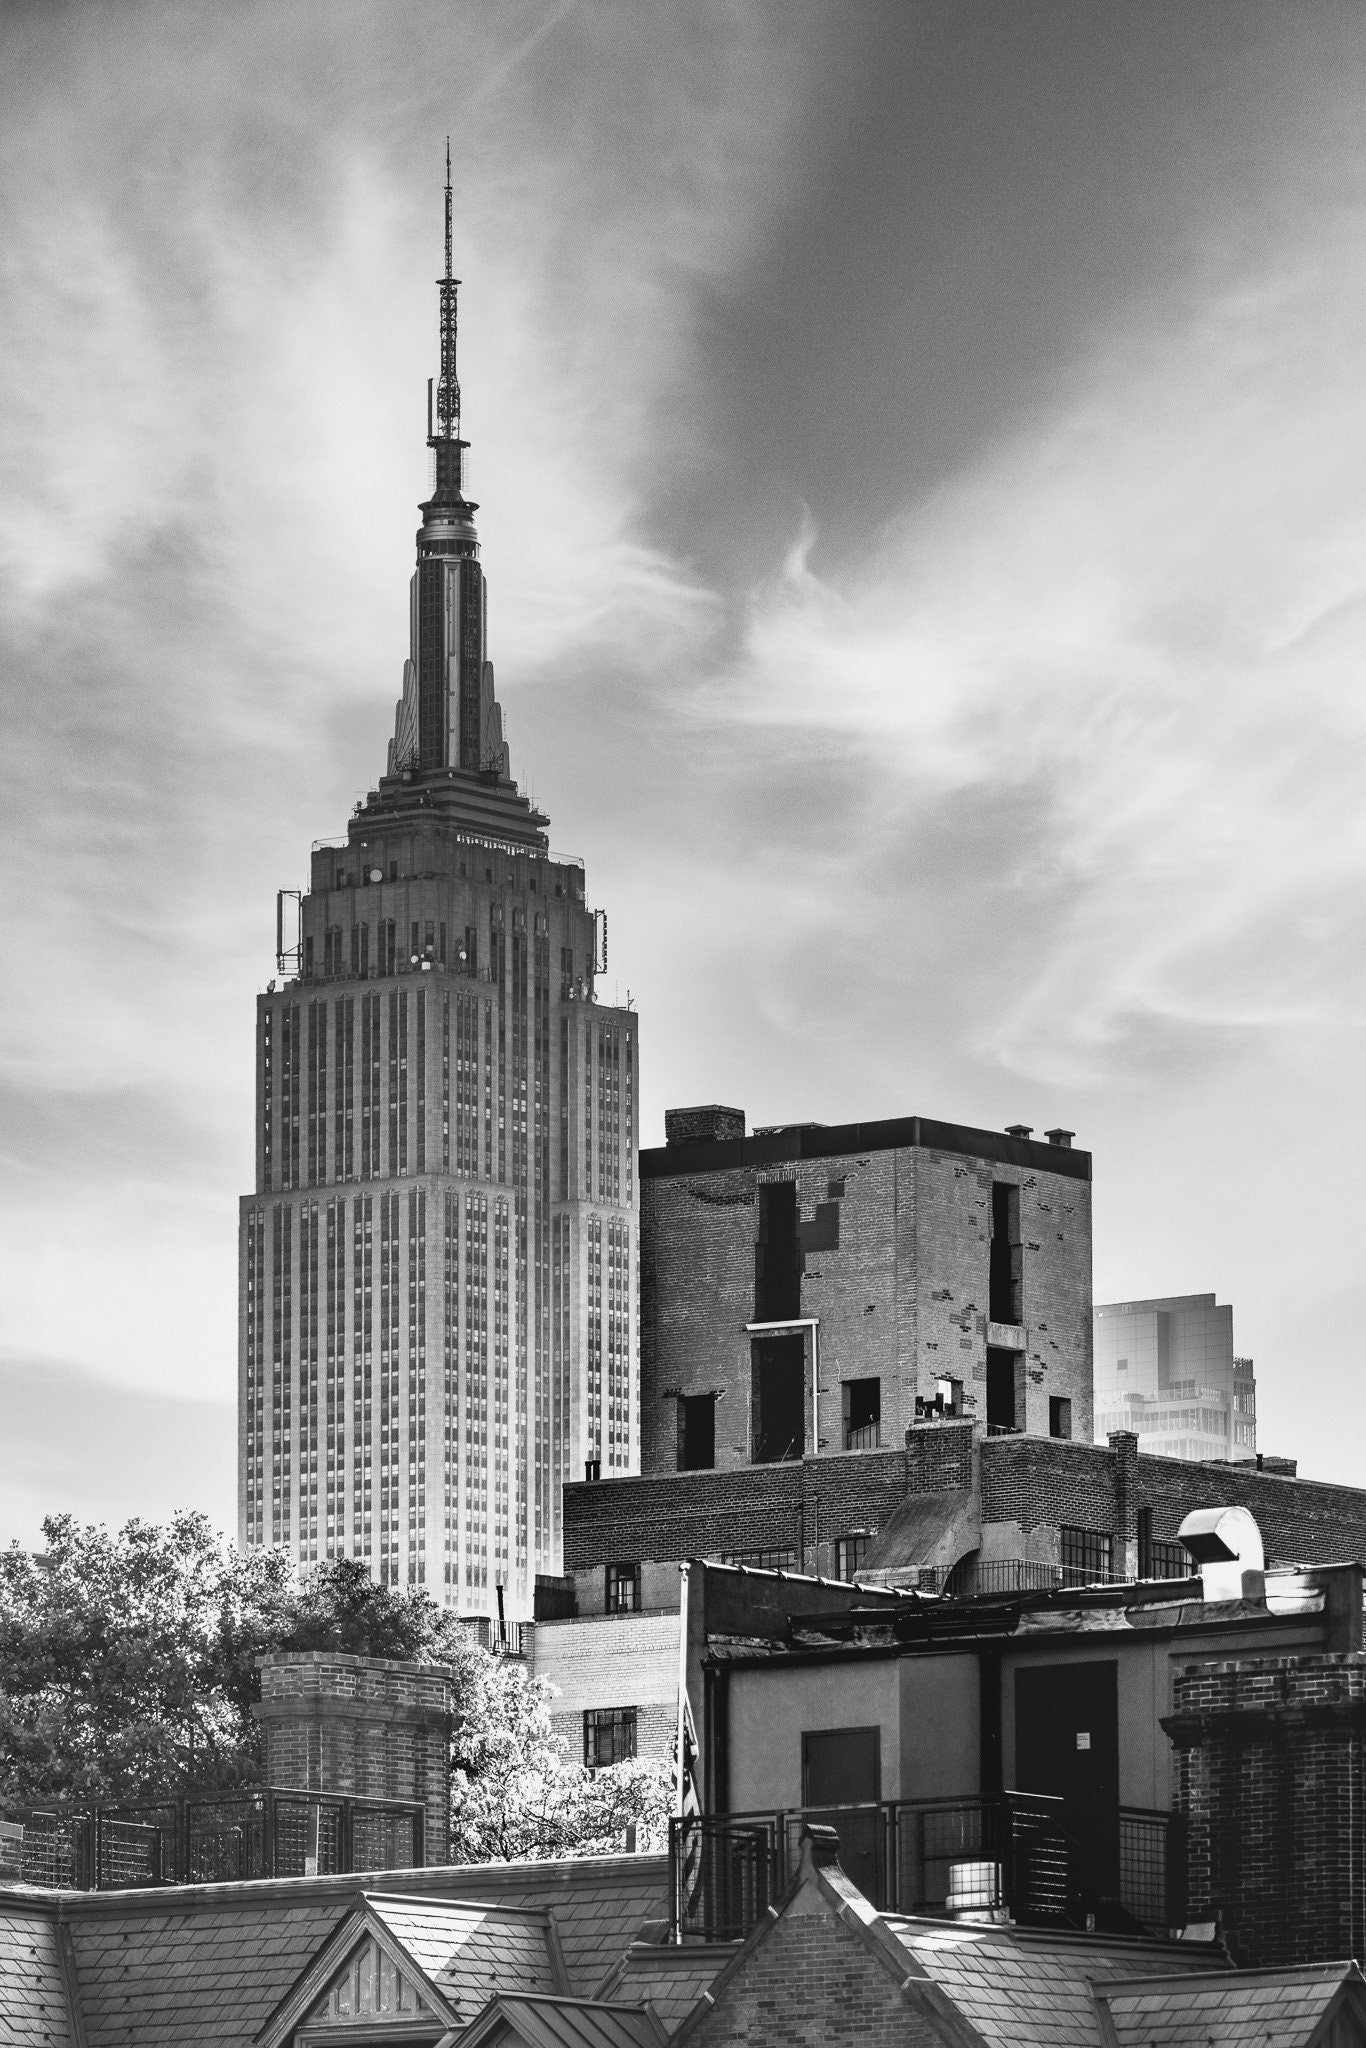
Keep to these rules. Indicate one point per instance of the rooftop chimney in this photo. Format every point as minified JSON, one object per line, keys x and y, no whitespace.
{"x":710,"y":1123}
{"x":1060,"y":1137}
{"x":1019,"y":1130}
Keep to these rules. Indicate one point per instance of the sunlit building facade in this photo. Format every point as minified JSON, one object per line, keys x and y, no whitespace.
{"x":439,"y":1262}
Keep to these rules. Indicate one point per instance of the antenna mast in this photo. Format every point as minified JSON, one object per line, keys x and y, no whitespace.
{"x":448,"y":389}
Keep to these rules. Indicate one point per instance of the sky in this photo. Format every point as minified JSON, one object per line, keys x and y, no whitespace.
{"x":921,"y":451}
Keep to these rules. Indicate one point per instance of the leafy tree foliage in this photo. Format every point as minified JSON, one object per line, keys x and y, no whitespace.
{"x":128,"y":1673}
{"x":514,"y":1792}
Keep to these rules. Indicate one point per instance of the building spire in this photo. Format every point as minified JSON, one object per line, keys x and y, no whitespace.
{"x":447,"y":422}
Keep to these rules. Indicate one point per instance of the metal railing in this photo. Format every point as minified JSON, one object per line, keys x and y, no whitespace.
{"x":866,"y":1436}
{"x":258,"y":1832}
{"x":1009,"y":1854}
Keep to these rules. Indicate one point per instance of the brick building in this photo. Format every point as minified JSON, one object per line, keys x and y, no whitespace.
{"x":812,"y":1290}
{"x":1058,"y":1504}
{"x":1271,"y":1767}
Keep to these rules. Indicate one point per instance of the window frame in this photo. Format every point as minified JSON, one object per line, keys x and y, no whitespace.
{"x":621,"y":1721}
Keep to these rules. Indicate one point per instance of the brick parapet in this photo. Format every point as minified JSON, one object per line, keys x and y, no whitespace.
{"x":1035,"y":1481}
{"x":1271,"y":1772}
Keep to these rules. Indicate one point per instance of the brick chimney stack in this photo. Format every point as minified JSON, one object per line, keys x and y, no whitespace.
{"x":367,"y":1726}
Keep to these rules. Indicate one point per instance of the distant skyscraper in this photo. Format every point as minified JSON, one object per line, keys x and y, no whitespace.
{"x":439,"y":1263}
{"x":1166,"y":1370}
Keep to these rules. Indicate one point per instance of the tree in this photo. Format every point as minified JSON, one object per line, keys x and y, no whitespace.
{"x":128,"y":1674}
{"x":515,"y":1791}
{"x":127,"y":1662}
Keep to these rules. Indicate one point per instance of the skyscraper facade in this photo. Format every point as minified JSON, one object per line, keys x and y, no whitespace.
{"x":439,"y":1263}
{"x":1166,"y":1370}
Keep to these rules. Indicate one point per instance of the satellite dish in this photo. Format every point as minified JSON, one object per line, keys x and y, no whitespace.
{"x":376,"y":874}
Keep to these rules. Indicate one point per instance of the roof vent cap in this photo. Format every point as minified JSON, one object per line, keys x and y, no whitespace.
{"x":1061,"y":1137}
{"x":1227,"y":1545}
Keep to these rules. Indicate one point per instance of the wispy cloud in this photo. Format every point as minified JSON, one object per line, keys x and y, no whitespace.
{"x":1039,"y":797}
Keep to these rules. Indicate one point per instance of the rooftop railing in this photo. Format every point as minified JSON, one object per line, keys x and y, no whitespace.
{"x":258,"y":1832}
{"x":1009,"y":1854}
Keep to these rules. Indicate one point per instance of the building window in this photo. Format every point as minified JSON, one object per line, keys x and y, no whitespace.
{"x":1087,"y":1556}
{"x":609,"y":1736}
{"x":862,"y":1404}
{"x":1006,"y":1279}
{"x":696,"y":1432}
{"x":1159,"y":1559}
{"x":1059,"y":1416}
{"x":623,"y":1590}
{"x":1169,"y":1561}
{"x":762,"y":1560}
{"x":777,"y":1399}
{"x":1005,"y":1391}
{"x":850,"y":1552}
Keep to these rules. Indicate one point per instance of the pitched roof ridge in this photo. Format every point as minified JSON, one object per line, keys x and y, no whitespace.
{"x":572,"y":1998}
{"x":499,"y":1907}
{"x":1340,"y":1971}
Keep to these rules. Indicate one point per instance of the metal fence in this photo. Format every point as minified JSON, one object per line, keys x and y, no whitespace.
{"x":1008,"y":1854}
{"x":258,"y":1832}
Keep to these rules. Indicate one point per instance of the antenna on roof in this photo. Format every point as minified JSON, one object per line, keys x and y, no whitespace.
{"x":448,"y":387}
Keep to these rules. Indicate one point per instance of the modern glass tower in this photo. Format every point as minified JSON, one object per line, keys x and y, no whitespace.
{"x":438,"y":1267}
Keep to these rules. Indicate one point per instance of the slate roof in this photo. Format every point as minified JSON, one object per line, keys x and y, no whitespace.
{"x":561,"y":2023}
{"x":33,"y":2006}
{"x":1246,"y":2009}
{"x":669,"y":1977}
{"x":1013,"y":1985}
{"x":229,"y":1953}
{"x":472,"y":1951}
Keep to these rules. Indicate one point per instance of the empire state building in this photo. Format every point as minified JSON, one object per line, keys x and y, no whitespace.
{"x":439,"y":1263}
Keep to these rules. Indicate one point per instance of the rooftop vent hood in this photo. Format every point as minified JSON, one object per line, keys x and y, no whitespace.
{"x":1227,"y":1546}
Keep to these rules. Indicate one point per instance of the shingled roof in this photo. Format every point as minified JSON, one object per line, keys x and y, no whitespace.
{"x":1289,"y":2008}
{"x":142,"y":1963}
{"x":830,"y":1963}
{"x":559,"y":2023}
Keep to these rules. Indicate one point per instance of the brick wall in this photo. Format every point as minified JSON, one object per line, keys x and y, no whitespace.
{"x":367,"y":1726}
{"x":809,"y":1983}
{"x":805,"y":1504}
{"x":896,"y":1264}
{"x":1271,"y":1777}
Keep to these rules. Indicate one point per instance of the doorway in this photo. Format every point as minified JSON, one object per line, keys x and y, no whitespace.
{"x":1067,"y":1745}
{"x":842,"y":1768}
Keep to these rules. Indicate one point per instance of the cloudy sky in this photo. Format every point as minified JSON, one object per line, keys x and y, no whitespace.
{"x":922,"y":458}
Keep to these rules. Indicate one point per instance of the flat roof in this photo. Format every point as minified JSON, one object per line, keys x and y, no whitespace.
{"x":838,"y":1141}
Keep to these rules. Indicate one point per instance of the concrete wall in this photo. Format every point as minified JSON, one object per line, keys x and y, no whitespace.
{"x":928,"y":1708}
{"x":770,"y":1710}
{"x":940,"y":1736}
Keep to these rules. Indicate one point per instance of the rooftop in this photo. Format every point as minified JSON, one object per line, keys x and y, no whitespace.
{"x":784,"y":1142}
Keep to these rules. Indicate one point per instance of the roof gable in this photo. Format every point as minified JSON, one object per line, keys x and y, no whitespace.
{"x":417,"y":1965}
{"x":372,"y":1985}
{"x":360,"y":1976}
